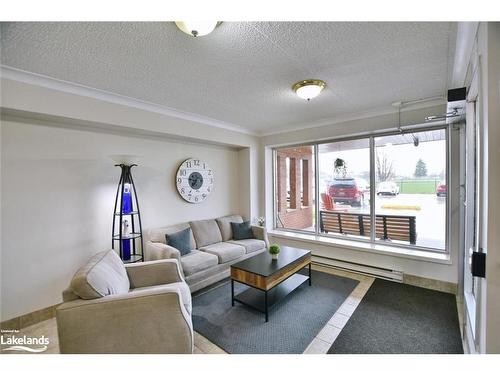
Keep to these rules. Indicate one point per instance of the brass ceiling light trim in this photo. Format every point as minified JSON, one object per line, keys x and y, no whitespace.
{"x":309,"y":88}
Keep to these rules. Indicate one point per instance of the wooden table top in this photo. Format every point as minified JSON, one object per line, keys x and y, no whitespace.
{"x":263,"y":265}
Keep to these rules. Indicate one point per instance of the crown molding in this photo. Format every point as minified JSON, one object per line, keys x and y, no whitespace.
{"x":352,"y":117}
{"x":36,"y":79}
{"x":41,"y":80}
{"x":466,"y":37}
{"x":55,"y":121}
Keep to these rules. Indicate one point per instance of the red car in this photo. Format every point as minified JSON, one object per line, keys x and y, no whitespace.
{"x":441,"y":190}
{"x":347,"y":190}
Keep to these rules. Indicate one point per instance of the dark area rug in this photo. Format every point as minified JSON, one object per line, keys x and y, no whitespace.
{"x":395,"y":318}
{"x":293,"y":322}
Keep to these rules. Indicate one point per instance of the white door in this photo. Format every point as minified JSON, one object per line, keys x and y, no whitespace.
{"x":471,"y":178}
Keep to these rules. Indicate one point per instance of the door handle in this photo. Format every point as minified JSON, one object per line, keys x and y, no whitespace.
{"x":478,"y":264}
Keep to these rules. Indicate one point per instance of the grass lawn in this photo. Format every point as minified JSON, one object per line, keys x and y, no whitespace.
{"x":418,"y":187}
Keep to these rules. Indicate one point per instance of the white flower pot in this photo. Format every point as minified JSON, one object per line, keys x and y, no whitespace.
{"x":274,"y":256}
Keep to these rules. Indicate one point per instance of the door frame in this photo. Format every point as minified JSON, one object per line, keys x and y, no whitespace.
{"x":474,"y":288}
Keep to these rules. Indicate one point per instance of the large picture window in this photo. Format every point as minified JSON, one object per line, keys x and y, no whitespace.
{"x":390,"y":189}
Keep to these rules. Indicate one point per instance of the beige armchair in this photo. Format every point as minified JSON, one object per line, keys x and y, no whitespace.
{"x":136,"y":308}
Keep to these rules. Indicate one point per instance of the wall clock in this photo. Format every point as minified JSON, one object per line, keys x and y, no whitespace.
{"x":194,"y":180}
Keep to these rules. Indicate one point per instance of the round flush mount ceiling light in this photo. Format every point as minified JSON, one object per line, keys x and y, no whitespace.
{"x":197,"y":28}
{"x":308,"y":88}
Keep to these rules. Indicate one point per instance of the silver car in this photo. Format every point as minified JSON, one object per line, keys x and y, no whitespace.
{"x":388,"y":188}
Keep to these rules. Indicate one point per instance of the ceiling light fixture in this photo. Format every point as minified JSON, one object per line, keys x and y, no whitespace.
{"x":309,"y":88}
{"x":197,"y":28}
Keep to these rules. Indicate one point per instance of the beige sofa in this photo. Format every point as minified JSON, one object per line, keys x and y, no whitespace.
{"x":213,"y":249}
{"x":134,"y":308}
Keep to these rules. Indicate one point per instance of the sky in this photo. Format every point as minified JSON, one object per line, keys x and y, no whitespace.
{"x":404,"y":158}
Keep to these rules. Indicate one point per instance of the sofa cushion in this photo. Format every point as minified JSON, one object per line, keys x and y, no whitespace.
{"x":104,"y":274}
{"x":242,"y":231}
{"x":197,"y":261}
{"x":158,"y":234}
{"x":250,"y":245}
{"x":225,"y":251}
{"x":224,"y":224}
{"x":206,"y":232}
{"x":180,"y":240}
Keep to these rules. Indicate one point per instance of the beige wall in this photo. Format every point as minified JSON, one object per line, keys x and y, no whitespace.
{"x":58,"y":189}
{"x":58,"y":182}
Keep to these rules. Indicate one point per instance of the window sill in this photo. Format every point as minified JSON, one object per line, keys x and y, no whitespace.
{"x":419,"y":255}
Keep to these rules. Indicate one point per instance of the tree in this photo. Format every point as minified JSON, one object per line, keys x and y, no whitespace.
{"x":385,"y":169}
{"x":420,"y":169}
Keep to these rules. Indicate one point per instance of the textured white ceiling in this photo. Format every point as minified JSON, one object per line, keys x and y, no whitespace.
{"x":242,"y":73}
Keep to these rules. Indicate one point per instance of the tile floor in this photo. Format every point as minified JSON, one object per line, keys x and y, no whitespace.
{"x":320,"y":344}
{"x":325,"y":338}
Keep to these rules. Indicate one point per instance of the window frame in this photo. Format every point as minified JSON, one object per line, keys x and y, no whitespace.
{"x":371,"y":138}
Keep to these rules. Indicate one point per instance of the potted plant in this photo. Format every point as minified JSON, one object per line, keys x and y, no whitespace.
{"x":261,"y":221}
{"x":274,"y":250}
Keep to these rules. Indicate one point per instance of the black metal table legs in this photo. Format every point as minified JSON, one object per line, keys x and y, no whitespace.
{"x":310,"y":274}
{"x":252,"y":296}
{"x":265,"y":304}
{"x":232,"y":292}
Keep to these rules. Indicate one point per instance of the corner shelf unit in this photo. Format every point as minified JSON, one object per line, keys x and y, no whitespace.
{"x":128,"y":243}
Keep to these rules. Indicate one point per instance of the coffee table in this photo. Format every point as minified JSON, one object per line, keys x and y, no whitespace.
{"x":270,"y":280}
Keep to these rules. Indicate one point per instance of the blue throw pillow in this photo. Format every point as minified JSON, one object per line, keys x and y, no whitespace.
{"x":180,"y":240}
{"x":242,"y":231}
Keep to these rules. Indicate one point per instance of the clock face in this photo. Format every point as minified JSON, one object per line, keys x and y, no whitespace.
{"x":194,"y":180}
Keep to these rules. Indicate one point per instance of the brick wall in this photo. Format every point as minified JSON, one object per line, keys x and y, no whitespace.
{"x":295,"y":212}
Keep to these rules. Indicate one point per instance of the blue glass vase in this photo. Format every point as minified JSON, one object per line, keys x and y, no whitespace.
{"x":126,"y":249}
{"x":127,"y":199}
{"x":126,"y":209}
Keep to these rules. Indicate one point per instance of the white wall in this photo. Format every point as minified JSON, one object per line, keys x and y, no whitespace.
{"x":243,"y":182}
{"x":438,"y":271}
{"x":58,"y":189}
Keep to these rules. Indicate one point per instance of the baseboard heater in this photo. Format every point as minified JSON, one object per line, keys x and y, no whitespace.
{"x":382,"y":273}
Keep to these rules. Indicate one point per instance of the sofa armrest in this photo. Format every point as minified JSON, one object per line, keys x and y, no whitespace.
{"x":155,"y":272}
{"x":145,"y":321}
{"x":69,"y":295}
{"x":158,"y":250}
{"x":261,"y":234}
